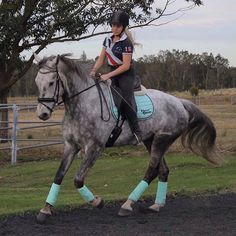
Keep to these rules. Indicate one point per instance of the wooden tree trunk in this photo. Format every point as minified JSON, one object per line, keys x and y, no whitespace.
{"x":3,"y":118}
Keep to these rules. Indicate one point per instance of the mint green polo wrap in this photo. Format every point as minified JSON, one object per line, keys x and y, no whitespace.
{"x":161,"y":192}
{"x":138,"y":191}
{"x":86,"y":194}
{"x":53,"y":193}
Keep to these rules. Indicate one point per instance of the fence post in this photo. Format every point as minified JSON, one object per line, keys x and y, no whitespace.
{"x":3,"y":123}
{"x":14,"y":135}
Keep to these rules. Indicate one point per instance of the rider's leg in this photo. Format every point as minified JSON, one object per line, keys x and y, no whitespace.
{"x":128,"y":106}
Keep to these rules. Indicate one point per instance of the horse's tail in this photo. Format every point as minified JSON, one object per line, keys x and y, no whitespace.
{"x":200,"y":134}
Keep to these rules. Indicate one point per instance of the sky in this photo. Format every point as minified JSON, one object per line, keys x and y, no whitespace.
{"x":209,"y":28}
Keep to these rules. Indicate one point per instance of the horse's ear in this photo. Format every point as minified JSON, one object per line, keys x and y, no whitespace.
{"x":37,"y":57}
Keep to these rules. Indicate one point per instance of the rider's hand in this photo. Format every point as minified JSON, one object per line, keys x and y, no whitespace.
{"x":92,"y":73}
{"x":104,"y":77}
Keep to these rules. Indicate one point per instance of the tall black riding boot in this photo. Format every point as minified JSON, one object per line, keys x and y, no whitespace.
{"x":132,"y":119}
{"x":129,"y":111}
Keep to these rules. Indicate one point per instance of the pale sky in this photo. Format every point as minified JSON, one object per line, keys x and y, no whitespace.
{"x":209,"y":28}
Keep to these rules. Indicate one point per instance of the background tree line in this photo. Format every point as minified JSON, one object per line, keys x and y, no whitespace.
{"x":168,"y":71}
{"x":180,"y":70}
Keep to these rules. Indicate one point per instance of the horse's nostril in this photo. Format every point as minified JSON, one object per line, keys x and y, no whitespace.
{"x":43,"y":116}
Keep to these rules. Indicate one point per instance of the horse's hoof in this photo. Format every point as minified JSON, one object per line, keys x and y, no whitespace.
{"x":98,"y":203}
{"x":124,"y":212}
{"x":42,"y":217}
{"x":101,"y":204}
{"x":145,"y":210}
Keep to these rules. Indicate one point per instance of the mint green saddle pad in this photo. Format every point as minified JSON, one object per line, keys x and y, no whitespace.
{"x":144,"y":104}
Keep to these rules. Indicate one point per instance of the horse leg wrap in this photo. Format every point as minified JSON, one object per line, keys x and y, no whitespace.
{"x":161,"y":193}
{"x":138,"y":191}
{"x":86,"y":194}
{"x":53,"y":193}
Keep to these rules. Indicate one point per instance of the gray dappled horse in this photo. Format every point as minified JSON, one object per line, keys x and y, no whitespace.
{"x":83,"y":128}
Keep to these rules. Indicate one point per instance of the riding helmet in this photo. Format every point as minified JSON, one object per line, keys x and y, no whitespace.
{"x":120,"y":18}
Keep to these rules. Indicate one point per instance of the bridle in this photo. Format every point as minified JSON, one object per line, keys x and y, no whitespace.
{"x":55,"y":98}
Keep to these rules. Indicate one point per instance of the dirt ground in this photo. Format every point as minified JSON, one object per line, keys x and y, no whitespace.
{"x":199,"y":215}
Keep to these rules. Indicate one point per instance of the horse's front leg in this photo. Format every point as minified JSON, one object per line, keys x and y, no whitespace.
{"x":68,"y":156}
{"x":92,"y":152}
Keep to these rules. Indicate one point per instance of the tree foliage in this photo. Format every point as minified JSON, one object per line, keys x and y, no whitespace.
{"x":181,"y":70}
{"x":38,"y":23}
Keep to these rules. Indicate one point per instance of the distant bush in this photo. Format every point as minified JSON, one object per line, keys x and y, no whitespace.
{"x":29,"y":136}
{"x":194,"y":91}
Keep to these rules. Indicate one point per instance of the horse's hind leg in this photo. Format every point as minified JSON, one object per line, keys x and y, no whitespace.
{"x":69,"y":152}
{"x":156,"y":147}
{"x":162,"y":171}
{"x":92,"y":152}
{"x":160,"y":199}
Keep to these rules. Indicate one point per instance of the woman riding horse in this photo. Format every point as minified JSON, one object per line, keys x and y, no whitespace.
{"x":118,"y":49}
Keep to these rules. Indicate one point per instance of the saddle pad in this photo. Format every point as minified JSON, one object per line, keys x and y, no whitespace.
{"x":144,"y":104}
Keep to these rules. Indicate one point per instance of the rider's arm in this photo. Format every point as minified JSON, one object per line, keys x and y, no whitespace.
{"x":127,"y":58}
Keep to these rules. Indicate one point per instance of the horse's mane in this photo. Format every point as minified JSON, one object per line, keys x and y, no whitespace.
{"x":43,"y":62}
{"x":71,"y":65}
{"x":75,"y":65}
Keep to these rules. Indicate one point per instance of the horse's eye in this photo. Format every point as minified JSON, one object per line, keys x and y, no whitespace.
{"x":51,"y":83}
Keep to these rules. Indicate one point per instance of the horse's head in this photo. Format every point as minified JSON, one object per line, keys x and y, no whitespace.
{"x":49,"y":85}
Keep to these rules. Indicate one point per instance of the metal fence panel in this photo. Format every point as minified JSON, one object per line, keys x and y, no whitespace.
{"x":14,"y":128}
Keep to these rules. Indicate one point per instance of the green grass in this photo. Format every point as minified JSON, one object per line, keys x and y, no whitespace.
{"x":24,"y":187}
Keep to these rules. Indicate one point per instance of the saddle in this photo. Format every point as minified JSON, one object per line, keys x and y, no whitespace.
{"x":143,"y":105}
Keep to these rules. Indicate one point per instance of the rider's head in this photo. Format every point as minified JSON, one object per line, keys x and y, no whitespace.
{"x":120,"y":18}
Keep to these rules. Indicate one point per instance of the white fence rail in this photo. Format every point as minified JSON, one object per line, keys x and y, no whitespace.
{"x":13,"y":128}
{"x":214,"y":100}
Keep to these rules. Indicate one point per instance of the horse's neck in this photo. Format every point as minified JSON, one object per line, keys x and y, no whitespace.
{"x":77,"y":105}
{"x":76,"y":84}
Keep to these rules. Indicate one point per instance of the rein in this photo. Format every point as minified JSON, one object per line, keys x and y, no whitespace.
{"x":76,"y":94}
{"x":56,"y":102}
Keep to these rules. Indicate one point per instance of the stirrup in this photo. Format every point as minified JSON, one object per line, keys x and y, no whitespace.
{"x":139,"y":141}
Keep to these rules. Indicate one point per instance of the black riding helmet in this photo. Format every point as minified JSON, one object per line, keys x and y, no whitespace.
{"x":120,"y":18}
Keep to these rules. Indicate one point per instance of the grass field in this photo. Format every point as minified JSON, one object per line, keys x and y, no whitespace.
{"x":24,"y":187}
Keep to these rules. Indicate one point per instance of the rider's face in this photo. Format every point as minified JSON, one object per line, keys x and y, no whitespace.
{"x":116,"y":29}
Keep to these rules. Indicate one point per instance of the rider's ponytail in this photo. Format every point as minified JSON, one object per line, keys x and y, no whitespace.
{"x":130,"y":37}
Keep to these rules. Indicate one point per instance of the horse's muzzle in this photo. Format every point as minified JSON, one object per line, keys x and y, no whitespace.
{"x":44,"y":116}
{"x":42,"y":112}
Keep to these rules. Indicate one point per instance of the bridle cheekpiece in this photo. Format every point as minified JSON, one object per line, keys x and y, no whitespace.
{"x":55,"y":98}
